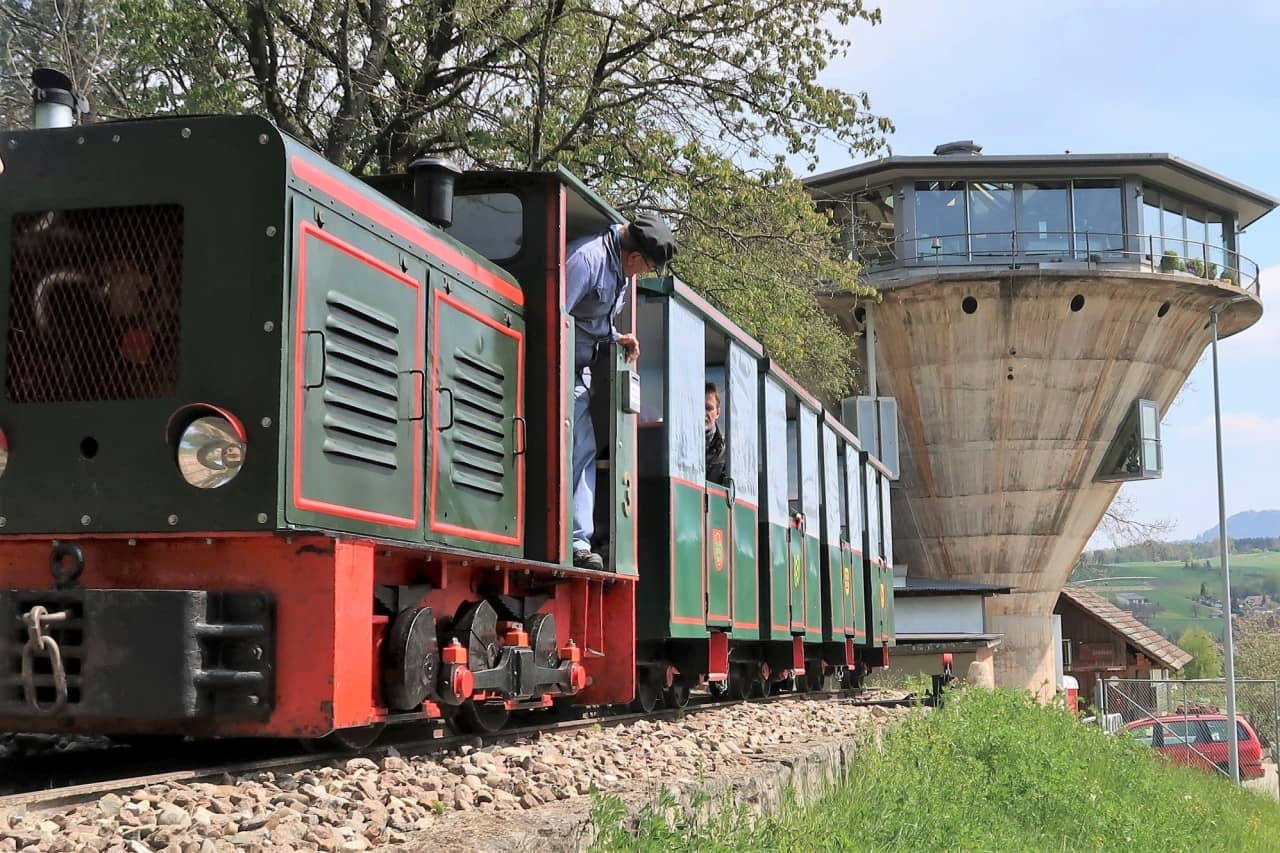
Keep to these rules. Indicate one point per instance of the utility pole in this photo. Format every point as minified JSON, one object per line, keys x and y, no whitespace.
{"x":1228,"y":642}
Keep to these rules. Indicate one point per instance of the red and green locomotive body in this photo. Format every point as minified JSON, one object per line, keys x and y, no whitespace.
{"x":286,"y":452}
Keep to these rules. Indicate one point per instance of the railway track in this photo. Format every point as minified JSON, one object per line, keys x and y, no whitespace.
{"x":40,"y":786}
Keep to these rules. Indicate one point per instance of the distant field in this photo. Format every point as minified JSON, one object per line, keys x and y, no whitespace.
{"x":1172,"y":586}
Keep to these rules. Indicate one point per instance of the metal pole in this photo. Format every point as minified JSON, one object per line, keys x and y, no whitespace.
{"x":872,"y":386}
{"x":1234,"y":756}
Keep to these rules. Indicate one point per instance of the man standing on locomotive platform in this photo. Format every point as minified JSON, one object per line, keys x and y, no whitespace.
{"x":597,"y":269}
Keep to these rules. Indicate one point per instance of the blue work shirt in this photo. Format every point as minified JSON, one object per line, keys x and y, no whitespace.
{"x":594,"y":290}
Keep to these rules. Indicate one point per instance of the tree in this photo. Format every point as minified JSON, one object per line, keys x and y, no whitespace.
{"x":1257,"y":647}
{"x":656,"y":106}
{"x":1206,"y":660}
{"x":1121,"y":524}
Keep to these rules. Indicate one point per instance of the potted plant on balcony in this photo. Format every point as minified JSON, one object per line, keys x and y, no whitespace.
{"x":1170,"y":262}
{"x":1195,"y":266}
{"x":1227,"y":276}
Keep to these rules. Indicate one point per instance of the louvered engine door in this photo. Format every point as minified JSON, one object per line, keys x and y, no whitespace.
{"x":477,"y":434}
{"x":357,"y":379}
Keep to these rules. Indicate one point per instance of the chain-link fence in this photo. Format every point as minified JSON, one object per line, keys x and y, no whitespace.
{"x":1177,"y":718}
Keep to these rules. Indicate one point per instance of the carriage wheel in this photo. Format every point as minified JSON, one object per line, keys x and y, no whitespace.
{"x":677,"y":695}
{"x":647,"y":691}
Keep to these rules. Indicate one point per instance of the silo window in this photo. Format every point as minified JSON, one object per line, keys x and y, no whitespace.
{"x":1135,"y":452}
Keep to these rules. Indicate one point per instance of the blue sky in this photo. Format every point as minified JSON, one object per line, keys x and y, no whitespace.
{"x":1200,"y":81}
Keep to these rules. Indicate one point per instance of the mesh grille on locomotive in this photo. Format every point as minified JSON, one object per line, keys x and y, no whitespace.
{"x":94,"y":304}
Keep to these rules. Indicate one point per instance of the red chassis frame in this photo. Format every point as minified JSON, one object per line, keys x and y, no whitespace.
{"x":327,"y":634}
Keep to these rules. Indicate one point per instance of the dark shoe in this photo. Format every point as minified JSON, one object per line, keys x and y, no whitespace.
{"x":584,"y":559}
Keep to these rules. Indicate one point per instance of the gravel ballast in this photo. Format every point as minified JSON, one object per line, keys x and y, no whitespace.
{"x":407,"y":802}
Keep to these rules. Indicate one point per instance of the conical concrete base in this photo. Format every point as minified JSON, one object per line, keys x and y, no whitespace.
{"x":1006,"y":411}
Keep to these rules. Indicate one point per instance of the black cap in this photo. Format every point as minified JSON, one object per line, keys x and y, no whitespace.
{"x":654,"y":239}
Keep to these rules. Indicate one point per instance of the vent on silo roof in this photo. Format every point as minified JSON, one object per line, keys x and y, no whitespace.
{"x":966,"y":146}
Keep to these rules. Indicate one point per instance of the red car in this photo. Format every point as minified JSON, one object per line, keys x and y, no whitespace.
{"x":1200,"y":740}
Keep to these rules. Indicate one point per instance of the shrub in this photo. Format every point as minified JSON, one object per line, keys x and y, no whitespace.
{"x":1170,"y":262}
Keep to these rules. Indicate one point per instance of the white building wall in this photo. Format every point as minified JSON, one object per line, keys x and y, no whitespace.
{"x":942,"y":614}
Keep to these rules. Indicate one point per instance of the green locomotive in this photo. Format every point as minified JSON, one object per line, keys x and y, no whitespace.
{"x":285,"y":452}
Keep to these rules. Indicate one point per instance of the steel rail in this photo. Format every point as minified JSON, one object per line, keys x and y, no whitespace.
{"x":47,"y":798}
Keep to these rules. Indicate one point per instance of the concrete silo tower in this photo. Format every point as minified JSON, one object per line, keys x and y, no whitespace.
{"x":1039,"y":314}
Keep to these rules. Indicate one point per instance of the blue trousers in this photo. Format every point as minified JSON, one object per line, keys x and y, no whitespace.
{"x":584,"y":461}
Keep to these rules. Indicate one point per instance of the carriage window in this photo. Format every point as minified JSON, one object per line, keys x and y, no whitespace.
{"x":809,"y":468}
{"x":777,"y":452}
{"x":853,"y":488}
{"x":872,"y":479}
{"x":490,"y":223}
{"x":744,"y":421}
{"x":687,"y":395}
{"x":833,"y":507}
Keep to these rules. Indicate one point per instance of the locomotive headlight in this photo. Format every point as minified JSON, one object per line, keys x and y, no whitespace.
{"x":210,"y":452}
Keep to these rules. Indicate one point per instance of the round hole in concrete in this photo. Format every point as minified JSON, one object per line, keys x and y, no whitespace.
{"x":88,"y":447}
{"x":1164,"y":309}
{"x":1077,"y":302}
{"x":969,"y":305}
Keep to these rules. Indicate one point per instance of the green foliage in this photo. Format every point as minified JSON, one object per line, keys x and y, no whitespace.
{"x":1206,"y":660}
{"x":992,"y":770}
{"x":1170,"y":262}
{"x":1257,"y":646}
{"x":656,"y":106}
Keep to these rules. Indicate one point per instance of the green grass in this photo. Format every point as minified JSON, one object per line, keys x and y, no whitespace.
{"x":993,"y":771}
{"x":1172,"y":587}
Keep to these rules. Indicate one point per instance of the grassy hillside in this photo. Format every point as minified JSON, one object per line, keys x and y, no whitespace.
{"x":992,"y":770}
{"x":1173,"y":587}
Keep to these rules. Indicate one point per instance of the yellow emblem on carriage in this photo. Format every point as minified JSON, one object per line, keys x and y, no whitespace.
{"x":796,"y":573}
{"x":848,"y":580}
{"x":882,"y":600}
{"x":717,"y":549}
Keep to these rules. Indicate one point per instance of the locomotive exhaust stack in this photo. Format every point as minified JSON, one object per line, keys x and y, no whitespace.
{"x":54,"y":100}
{"x":433,"y":184}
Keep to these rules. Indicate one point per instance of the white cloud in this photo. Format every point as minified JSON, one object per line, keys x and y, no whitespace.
{"x":1262,"y":339}
{"x":1246,"y":426}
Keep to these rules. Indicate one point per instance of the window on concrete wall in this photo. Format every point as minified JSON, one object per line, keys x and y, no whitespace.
{"x":991,"y":220}
{"x":1216,"y":238}
{"x":1044,"y":223}
{"x":940,"y":213}
{"x":839,"y":211}
{"x":1173,"y":229}
{"x":1151,"y":225}
{"x":873,"y":229}
{"x":1098,"y":218}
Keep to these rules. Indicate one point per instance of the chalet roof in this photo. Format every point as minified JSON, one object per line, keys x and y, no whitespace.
{"x":1144,"y":638}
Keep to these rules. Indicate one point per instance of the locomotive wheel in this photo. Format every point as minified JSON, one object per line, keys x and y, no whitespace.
{"x":480,"y":718}
{"x":814,"y":677}
{"x":763,"y":685}
{"x":648,"y":692}
{"x":677,"y":695}
{"x":739,"y":683}
{"x":345,"y":740}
